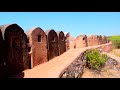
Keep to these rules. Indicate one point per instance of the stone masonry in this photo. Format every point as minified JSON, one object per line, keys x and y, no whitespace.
{"x":52,"y":44}
{"x":15,"y":49}
{"x":37,"y":46}
{"x":81,"y":41}
{"x":61,"y":42}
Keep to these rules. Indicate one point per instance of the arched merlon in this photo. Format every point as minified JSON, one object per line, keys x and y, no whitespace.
{"x":81,"y":41}
{"x":61,"y":42}
{"x":37,"y":46}
{"x":2,"y":55}
{"x":15,"y":41}
{"x":52,"y":43}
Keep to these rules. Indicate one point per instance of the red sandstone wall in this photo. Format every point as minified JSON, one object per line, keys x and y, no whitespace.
{"x":61,"y":42}
{"x":81,"y":41}
{"x":72,"y":45}
{"x":104,"y":39}
{"x":107,"y":47}
{"x":15,"y":49}
{"x":2,"y":56}
{"x":94,"y":40}
{"x":100,"y":40}
{"x":38,"y":49}
{"x":52,"y":44}
{"x":70,"y":42}
{"x":90,"y":40}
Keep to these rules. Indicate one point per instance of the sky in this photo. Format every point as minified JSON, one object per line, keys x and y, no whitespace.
{"x":77,"y":23}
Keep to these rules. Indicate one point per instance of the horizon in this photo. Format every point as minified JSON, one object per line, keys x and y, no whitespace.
{"x":76,"y":23}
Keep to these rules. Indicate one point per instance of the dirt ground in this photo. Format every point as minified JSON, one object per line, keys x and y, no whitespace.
{"x":106,"y":72}
{"x":116,"y":52}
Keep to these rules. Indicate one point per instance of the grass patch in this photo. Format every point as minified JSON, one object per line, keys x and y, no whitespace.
{"x":115,"y":40}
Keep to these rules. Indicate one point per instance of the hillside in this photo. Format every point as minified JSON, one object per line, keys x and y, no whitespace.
{"x":115,"y":40}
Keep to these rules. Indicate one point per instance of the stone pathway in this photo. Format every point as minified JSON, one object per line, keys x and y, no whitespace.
{"x":54,"y":67}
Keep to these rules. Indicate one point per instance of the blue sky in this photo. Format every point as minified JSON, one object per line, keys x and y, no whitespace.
{"x":77,"y":23}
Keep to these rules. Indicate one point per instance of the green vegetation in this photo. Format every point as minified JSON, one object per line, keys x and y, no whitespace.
{"x":94,"y":59}
{"x":115,"y":40}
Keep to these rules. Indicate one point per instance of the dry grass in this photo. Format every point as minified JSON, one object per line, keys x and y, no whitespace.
{"x":116,"y":52}
{"x":105,"y":73}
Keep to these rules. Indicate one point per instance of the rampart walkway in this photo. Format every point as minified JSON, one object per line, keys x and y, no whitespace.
{"x":54,"y":67}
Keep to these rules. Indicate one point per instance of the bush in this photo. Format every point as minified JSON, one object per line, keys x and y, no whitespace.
{"x":94,"y":59}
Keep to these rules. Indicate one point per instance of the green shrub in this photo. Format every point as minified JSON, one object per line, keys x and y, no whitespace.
{"x":95,"y":59}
